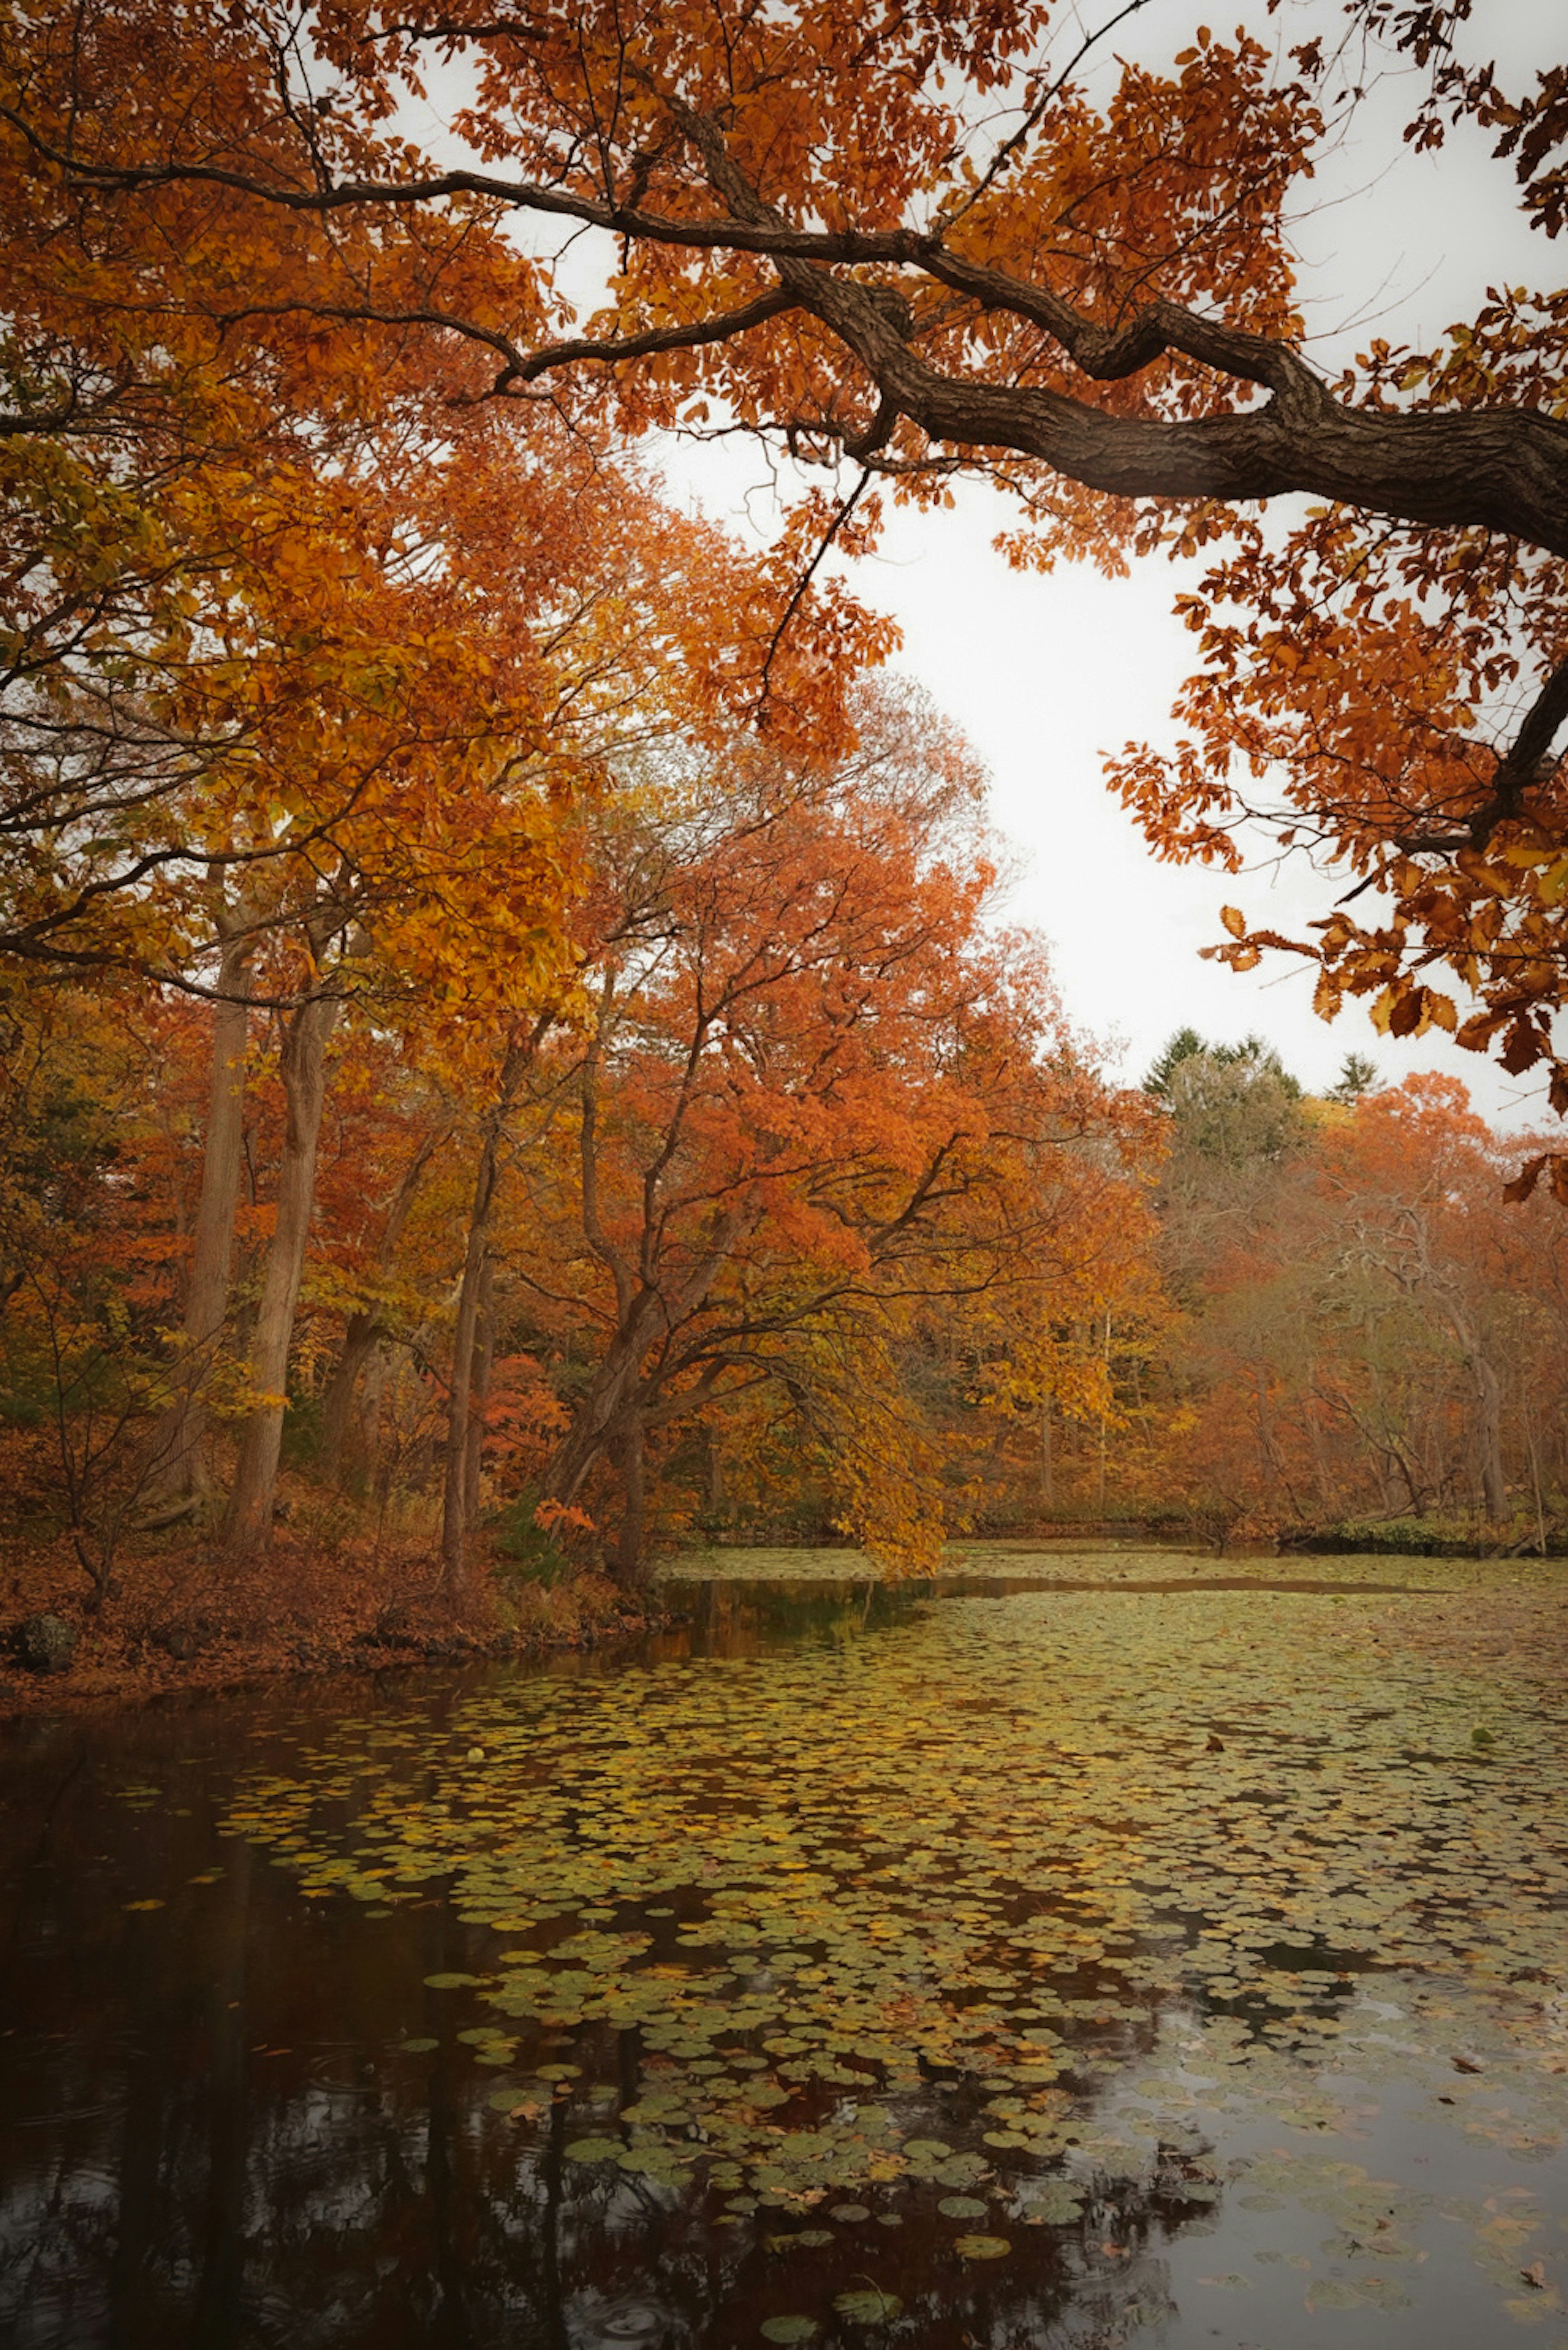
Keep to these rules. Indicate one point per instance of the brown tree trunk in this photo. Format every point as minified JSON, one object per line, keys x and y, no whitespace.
{"x":359,"y":1338}
{"x":303,"y":1073}
{"x":1489,"y":1411}
{"x":454,"y":1496}
{"x":183,"y":1472}
{"x":619,"y":1402}
{"x":602,"y":1415}
{"x":1489,"y":1437}
{"x":483,"y":1357}
{"x":460,"y":1478}
{"x":627,"y":1563}
{"x":366,"y":1326}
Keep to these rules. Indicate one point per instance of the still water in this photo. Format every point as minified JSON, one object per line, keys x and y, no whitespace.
{"x":1105,"y":1946}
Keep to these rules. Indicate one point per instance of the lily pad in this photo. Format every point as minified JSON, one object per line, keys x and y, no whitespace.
{"x":868,"y":2307}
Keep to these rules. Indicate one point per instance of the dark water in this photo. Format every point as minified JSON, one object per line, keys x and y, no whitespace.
{"x":234,"y":2111}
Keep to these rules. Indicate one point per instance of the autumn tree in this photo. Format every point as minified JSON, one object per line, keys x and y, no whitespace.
{"x":817,"y":1115}
{"x":974,"y":242}
{"x":1366,"y":1320}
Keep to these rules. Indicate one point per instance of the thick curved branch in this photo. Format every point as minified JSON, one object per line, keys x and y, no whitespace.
{"x":1502,"y":469}
{"x":1499,"y":469}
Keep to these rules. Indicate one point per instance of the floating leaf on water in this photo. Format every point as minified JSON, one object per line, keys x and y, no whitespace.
{"x":981,"y":2248}
{"x":417,"y":2047}
{"x":892,"y":1918}
{"x":452,"y":1982}
{"x":870,"y":2307}
{"x":154,"y":1902}
{"x":595,"y":2149}
{"x":1330,"y":2292}
{"x":789,"y":2329}
{"x":962,"y":2171}
{"x":1054,"y":2201}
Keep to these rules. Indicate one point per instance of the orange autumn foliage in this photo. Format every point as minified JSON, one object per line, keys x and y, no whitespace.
{"x":969,"y":242}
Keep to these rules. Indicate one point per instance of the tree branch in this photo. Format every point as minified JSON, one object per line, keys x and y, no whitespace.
{"x":1501,"y":469}
{"x":1520,"y":765}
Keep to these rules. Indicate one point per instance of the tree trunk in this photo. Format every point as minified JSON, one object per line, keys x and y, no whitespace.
{"x":457,"y":1510}
{"x":359,"y":1338}
{"x":183,"y":1469}
{"x":601,"y":1416}
{"x":1489,"y":1437}
{"x":627,"y":1559}
{"x":303,"y":1073}
{"x":483,"y":1357}
{"x":366,"y":1326}
{"x":454,"y":1496}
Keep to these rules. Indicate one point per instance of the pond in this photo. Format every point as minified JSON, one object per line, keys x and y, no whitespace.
{"x":1103,"y":1945}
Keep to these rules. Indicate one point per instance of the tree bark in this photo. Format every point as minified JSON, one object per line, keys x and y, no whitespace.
{"x":455,"y":1495}
{"x":483,"y":1358}
{"x":627,"y":1563}
{"x":303,"y":1073}
{"x":460,"y":1480}
{"x":366,"y":1326}
{"x":1489,"y":1437}
{"x":182,"y":1468}
{"x":1504,"y":468}
{"x":602,"y":1415}
{"x":359,"y":1338}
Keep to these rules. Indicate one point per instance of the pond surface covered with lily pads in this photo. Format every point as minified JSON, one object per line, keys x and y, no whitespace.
{"x":1106,"y":1945}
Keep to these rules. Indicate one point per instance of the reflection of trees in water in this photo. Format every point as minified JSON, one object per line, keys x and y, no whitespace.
{"x":221,"y":2196}
{"x":209,"y":2140}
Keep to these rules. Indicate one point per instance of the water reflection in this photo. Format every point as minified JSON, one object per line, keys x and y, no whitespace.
{"x":213,"y":2138}
{"x":245,"y":2116}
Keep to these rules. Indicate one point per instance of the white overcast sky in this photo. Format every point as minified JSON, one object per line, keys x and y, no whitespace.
{"x":1047,"y":674}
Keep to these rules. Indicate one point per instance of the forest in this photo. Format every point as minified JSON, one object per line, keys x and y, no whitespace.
{"x":718,"y":1629}
{"x":515,"y":1062}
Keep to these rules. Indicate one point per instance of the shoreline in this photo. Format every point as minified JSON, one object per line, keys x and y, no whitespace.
{"x":179,"y":1625}
{"x":304,"y":1614}
{"x":114,"y":1684}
